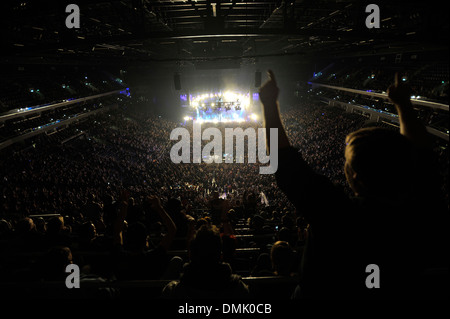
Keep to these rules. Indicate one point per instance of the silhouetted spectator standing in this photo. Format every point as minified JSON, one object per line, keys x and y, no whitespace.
{"x":397,"y":193}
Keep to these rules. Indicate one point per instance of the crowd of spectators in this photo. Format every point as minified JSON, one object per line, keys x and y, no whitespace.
{"x":112,"y":202}
{"x":29,"y":86}
{"x":432,"y":117}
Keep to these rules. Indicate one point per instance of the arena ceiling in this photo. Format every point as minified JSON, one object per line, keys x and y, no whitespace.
{"x":202,"y":30}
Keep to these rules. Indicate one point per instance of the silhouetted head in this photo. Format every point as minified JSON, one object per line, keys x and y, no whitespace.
{"x":25,"y":225}
{"x":282,"y":258}
{"x":55,"y":262}
{"x":55,"y":225}
{"x":87,"y":231}
{"x":206,"y":246}
{"x":379,"y":163}
{"x":41,"y":226}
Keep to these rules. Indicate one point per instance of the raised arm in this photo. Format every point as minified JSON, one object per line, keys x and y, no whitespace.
{"x":410,"y":125}
{"x":155,"y":204}
{"x":268,"y":94}
{"x":304,"y":188}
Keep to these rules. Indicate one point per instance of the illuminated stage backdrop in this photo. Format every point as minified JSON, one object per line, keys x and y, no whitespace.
{"x":221,"y":107}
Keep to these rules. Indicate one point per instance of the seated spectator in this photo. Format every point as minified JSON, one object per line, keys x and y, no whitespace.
{"x":205,"y":276}
{"x":54,"y":262}
{"x":57,"y":233}
{"x":88,"y":239}
{"x":280,"y":263}
{"x":94,"y":212}
{"x":282,"y":259}
{"x":41,"y":225}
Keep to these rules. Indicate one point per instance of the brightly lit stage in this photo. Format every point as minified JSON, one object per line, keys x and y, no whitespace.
{"x":221,"y":107}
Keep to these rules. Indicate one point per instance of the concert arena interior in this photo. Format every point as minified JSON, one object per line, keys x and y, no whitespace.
{"x":118,"y":180}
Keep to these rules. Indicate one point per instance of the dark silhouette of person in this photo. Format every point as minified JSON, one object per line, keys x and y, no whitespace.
{"x":397,"y":193}
{"x":135,"y":259}
{"x":205,"y":276}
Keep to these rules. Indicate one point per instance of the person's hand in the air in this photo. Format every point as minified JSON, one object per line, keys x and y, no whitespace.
{"x":268,"y":92}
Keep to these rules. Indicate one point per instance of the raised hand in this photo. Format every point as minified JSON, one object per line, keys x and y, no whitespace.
{"x":410,"y":125}
{"x":268,"y":93}
{"x":399,"y":93}
{"x":155,"y":204}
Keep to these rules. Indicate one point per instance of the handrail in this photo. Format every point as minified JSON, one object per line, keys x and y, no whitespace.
{"x":434,"y":105}
{"x":38,"y":109}
{"x":52,"y":126}
{"x":378,"y":114}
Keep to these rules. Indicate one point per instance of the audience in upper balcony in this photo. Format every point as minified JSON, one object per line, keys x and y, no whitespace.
{"x":428,"y":78}
{"x":36,"y":85}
